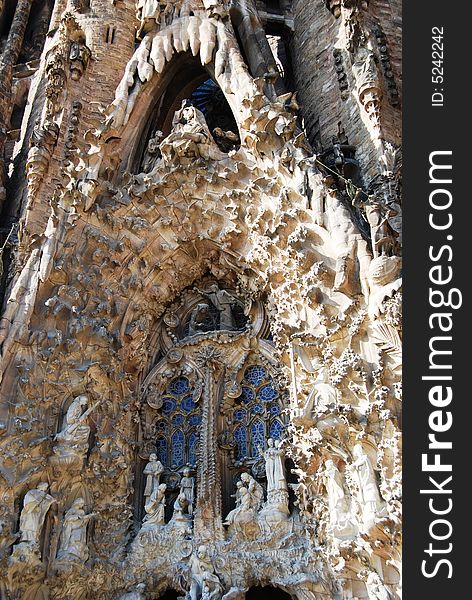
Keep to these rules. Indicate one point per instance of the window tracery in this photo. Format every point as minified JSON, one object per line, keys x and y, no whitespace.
{"x":176,"y":428}
{"x":257,"y":414}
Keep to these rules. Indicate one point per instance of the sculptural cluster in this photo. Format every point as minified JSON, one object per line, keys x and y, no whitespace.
{"x":200,"y":384}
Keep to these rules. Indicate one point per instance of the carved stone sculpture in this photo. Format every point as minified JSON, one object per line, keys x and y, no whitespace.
{"x":203,"y":576}
{"x":153,"y":471}
{"x":73,"y":540}
{"x":36,"y":504}
{"x":155,"y":507}
{"x":73,"y":440}
{"x":368,"y":494}
{"x":187,"y":488}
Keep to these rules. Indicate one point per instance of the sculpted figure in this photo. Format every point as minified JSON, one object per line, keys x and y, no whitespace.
{"x":375,"y":588}
{"x":198,"y":318}
{"x":73,"y":439}
{"x":35,"y":506}
{"x":153,"y":471}
{"x":276,"y":507}
{"x":153,"y":152}
{"x":244,"y":510}
{"x":204,"y":578}
{"x":155,"y":507}
{"x":368,"y":491}
{"x":181,"y":518}
{"x":275,"y":470}
{"x":187,"y":488}
{"x":73,"y":543}
{"x":190,"y":138}
{"x":255,"y":490}
{"x":224,"y":302}
{"x":339,"y":522}
{"x":378,"y":215}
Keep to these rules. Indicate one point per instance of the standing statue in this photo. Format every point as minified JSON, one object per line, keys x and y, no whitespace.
{"x":73,"y":439}
{"x":339,"y":522}
{"x":203,"y":576}
{"x":153,"y":152}
{"x":187,"y":488}
{"x":73,"y":542}
{"x":368,"y":491}
{"x":155,"y":507}
{"x":153,"y":471}
{"x":36,"y":504}
{"x":274,"y":465}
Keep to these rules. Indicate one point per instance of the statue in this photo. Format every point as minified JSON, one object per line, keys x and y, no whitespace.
{"x":368,"y":492}
{"x":277,"y":490}
{"x":339,"y":523}
{"x":203,"y":576}
{"x":187,"y":488}
{"x":223,"y":301}
{"x":74,"y":437}
{"x":378,"y":215}
{"x":73,"y":542}
{"x":190,"y":139}
{"x":255,"y":490}
{"x":181,"y":518}
{"x":198,"y":319}
{"x":153,"y":152}
{"x":155,"y":507}
{"x":153,"y":471}
{"x":244,"y":508}
{"x":375,"y":588}
{"x":36,"y":504}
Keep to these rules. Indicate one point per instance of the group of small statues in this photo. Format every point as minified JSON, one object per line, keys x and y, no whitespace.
{"x":251,"y":512}
{"x":343,"y":521}
{"x":155,"y":498}
{"x":223,"y":301}
{"x":73,"y":536}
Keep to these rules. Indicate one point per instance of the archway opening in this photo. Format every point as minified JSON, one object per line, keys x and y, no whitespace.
{"x":267,"y":592}
{"x":185,"y":79}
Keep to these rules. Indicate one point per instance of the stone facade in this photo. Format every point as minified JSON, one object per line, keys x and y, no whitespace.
{"x":200,"y":335}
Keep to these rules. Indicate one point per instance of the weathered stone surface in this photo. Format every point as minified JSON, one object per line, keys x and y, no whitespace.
{"x":200,"y":339}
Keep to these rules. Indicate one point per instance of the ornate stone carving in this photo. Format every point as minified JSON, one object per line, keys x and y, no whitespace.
{"x":73,"y":542}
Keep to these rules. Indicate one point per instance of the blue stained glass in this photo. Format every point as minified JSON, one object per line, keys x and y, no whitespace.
{"x":267,"y":393}
{"x":188,"y":404}
{"x":239,"y":415}
{"x":241,"y":442}
{"x":192,"y":448}
{"x":274,"y":409}
{"x":168,"y":405}
{"x":194,"y":420}
{"x":179,"y":386}
{"x":257,"y":409}
{"x":177,"y":449}
{"x":161,"y":447}
{"x":161,"y":426}
{"x":177,"y":419}
{"x":257,"y":437}
{"x":255,"y":374}
{"x":247,"y":394}
{"x":276,"y":429}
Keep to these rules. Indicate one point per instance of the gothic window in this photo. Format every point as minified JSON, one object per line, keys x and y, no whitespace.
{"x":176,"y":429}
{"x":257,"y":414}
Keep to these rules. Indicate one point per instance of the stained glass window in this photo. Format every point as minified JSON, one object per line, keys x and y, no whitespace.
{"x":257,"y":414}
{"x":241,"y":442}
{"x":177,"y":449}
{"x":177,"y":432}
